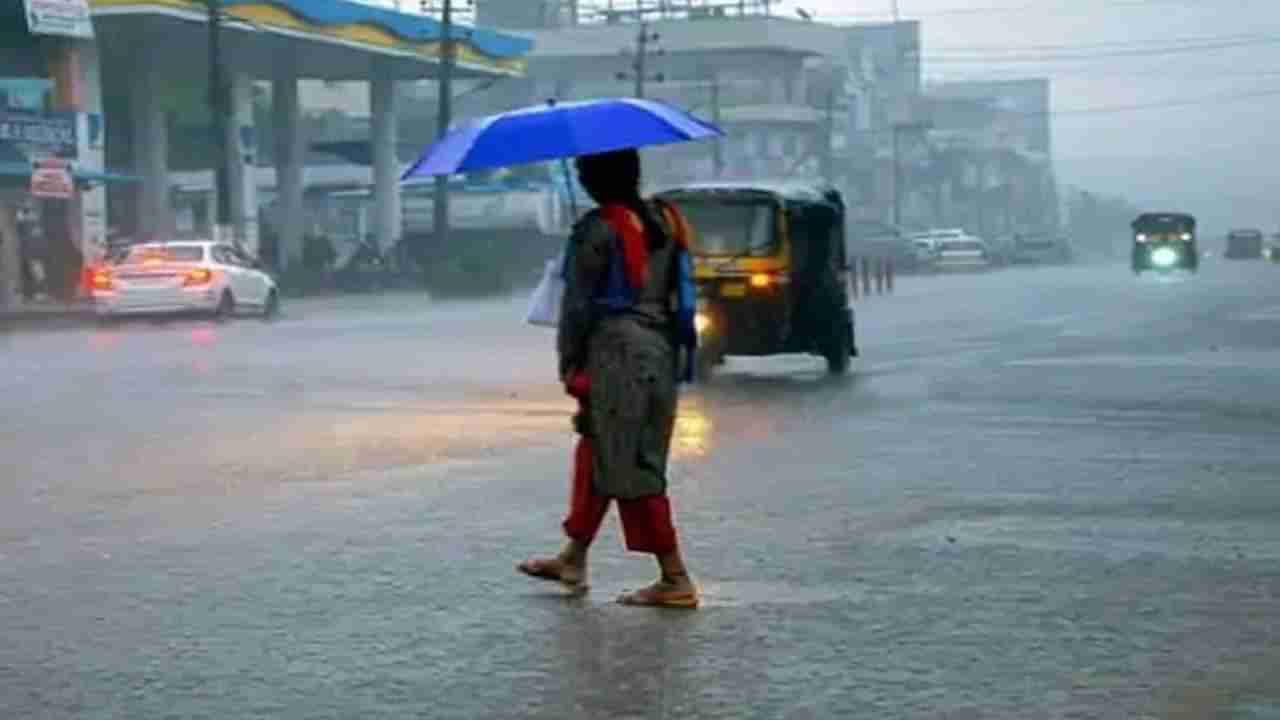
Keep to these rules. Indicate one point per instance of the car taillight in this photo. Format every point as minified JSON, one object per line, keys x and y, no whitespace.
{"x":197,"y":277}
{"x":102,"y":280}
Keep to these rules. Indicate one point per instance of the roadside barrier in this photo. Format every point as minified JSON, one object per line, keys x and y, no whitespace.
{"x":869,"y":272}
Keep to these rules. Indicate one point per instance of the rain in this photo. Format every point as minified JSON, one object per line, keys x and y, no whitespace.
{"x":983,"y":416}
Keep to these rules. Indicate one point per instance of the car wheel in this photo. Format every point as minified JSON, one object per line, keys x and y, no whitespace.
{"x":226,"y":307}
{"x":271,"y":308}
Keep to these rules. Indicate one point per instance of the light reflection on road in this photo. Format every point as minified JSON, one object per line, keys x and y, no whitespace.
{"x":693,"y":432}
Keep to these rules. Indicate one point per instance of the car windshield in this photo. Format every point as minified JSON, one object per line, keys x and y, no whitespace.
{"x":1164,"y":225}
{"x":163,"y":253}
{"x":722,"y":228}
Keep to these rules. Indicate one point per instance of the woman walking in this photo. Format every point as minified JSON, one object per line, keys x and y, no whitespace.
{"x":627,"y":309}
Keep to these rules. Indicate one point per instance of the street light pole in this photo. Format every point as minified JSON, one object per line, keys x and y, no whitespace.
{"x":440,"y":208}
{"x":218,"y":121}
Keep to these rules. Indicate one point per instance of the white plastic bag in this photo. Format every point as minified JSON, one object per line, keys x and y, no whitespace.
{"x":544,"y":306}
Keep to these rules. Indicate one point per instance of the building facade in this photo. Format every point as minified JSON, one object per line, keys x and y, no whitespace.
{"x":52,"y":132}
{"x":787,"y":91}
{"x":990,"y":161}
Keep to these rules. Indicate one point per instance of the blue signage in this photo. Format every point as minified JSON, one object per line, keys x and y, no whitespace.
{"x":41,"y":134}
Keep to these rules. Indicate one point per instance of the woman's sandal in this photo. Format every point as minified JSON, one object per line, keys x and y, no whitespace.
{"x":660,"y":595}
{"x":555,"y":570}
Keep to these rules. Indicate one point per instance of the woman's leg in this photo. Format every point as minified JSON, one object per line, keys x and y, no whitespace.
{"x":586,"y":513}
{"x":648,"y":528}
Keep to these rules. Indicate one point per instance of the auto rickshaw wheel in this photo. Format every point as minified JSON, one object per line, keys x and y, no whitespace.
{"x":704,"y":364}
{"x":839,"y":349}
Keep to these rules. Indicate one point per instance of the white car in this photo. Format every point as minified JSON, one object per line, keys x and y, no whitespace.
{"x":958,"y":250}
{"x":924,"y":248}
{"x":182,"y":277}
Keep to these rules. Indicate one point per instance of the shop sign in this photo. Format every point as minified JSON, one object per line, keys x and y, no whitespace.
{"x":68,"y":18}
{"x":51,"y":179}
{"x":41,"y":134}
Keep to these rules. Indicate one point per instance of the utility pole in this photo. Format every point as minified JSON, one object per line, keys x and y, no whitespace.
{"x":828,"y":144}
{"x":717,"y":149}
{"x":440,"y":208}
{"x":899,"y":95}
{"x":218,"y":122}
{"x":897,"y":176}
{"x":639,"y":64}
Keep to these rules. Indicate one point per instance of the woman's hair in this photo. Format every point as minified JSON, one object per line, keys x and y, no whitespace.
{"x":614,"y":177}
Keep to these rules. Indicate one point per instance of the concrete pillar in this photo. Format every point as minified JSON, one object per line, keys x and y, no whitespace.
{"x":386,"y":167}
{"x":289,"y":157}
{"x":242,"y":152}
{"x":77,"y":226}
{"x":92,"y":201}
{"x":10,"y":256}
{"x":150,"y":148}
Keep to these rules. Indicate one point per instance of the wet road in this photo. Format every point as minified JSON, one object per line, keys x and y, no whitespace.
{"x":1046,"y":493}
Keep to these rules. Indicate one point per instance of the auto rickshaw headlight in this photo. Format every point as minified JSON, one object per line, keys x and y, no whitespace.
{"x":1164,"y":257}
{"x":761,"y":280}
{"x":1186,"y":237}
{"x":1141,"y":237}
{"x":701,"y":322}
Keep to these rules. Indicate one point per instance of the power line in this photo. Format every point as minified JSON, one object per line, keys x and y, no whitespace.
{"x":1072,"y":57}
{"x":1102,"y":45}
{"x":1063,"y":8}
{"x":1136,"y":107}
{"x":1118,"y":109}
{"x":1012,"y":75}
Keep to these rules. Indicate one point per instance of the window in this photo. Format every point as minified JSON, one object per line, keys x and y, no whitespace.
{"x":722,"y":228}
{"x":140,"y":254}
{"x":242,"y":258}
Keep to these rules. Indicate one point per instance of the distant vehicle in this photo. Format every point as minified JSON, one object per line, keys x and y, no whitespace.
{"x":928,"y":244}
{"x":1164,"y":242}
{"x":924,"y":250}
{"x":966,"y":253}
{"x":953,"y":249}
{"x":183,"y":277}
{"x":1244,"y":245}
{"x":1039,"y":248}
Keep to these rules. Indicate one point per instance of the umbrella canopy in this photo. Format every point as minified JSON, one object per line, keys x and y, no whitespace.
{"x":556,"y":131}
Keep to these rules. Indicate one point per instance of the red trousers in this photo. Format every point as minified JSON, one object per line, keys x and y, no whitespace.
{"x":646,"y":522}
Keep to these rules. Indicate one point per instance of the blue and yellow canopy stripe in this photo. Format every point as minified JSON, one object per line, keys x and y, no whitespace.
{"x":353,"y":22}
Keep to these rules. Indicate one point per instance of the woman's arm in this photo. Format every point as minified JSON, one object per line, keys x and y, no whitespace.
{"x":590,"y":245}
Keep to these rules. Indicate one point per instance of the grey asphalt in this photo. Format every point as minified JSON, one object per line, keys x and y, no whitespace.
{"x":1045,"y":493}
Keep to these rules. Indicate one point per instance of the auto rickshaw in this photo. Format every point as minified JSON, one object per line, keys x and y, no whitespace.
{"x":1164,"y":242}
{"x":771,"y":269}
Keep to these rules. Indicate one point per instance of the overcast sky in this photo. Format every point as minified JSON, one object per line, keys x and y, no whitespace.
{"x":1213,"y":157}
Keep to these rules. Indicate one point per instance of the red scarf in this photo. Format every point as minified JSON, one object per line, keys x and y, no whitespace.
{"x":635,"y":248}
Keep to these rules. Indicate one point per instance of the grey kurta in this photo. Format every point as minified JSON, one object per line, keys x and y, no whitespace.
{"x":630,"y":358}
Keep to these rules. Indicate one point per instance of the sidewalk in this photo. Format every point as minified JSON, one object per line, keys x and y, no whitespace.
{"x":49,"y":315}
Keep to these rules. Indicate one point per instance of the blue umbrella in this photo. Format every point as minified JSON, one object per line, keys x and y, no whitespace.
{"x":557,"y":131}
